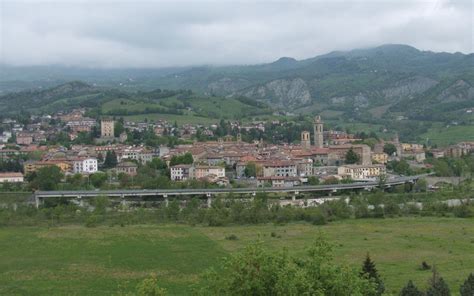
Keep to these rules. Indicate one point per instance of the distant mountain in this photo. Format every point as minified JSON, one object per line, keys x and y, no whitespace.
{"x":384,"y":76}
{"x":377,"y":81}
{"x":31,"y":99}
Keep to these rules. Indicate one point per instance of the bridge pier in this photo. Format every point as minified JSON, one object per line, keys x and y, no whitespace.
{"x":167,"y":202}
{"x":123,"y":202}
{"x":209,"y":199}
{"x":37,"y":201}
{"x":81,"y":202}
{"x":293,"y":197}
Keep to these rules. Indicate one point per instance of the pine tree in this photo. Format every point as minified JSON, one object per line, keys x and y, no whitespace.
{"x":370,"y":271}
{"x":467,"y":289}
{"x":352,"y":157}
{"x":110,"y":160}
{"x":438,"y":286}
{"x":410,"y":290}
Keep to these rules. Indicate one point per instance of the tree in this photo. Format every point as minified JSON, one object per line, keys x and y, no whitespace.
{"x":390,"y":149}
{"x":110,"y":160}
{"x":118,"y":128}
{"x":352,"y":157}
{"x":421,"y":185}
{"x":382,"y":181}
{"x":150,"y":287}
{"x":186,"y":158}
{"x":98,"y":179}
{"x":48,"y":178}
{"x":438,"y":286}
{"x":158,"y":164}
{"x":312,"y":180}
{"x":467,"y":289}
{"x":257,"y":271}
{"x":410,"y":290}
{"x":370,"y":271}
{"x":250,"y":170}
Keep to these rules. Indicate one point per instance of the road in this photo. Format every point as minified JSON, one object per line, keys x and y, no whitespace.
{"x":214,"y":191}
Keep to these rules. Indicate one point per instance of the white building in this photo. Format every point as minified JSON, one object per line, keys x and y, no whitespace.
{"x":361,"y":172}
{"x":11,"y":177}
{"x":138,"y":154}
{"x":181,"y":172}
{"x":84,"y":166}
{"x":5,"y":137}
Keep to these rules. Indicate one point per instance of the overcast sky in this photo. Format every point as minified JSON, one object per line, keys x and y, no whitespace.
{"x":176,"y":33}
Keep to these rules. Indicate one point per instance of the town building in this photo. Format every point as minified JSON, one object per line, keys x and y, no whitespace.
{"x":32,"y":166}
{"x":181,"y":172}
{"x":278,"y":181}
{"x":107,"y":128}
{"x":11,"y":177}
{"x":127,"y":167}
{"x":24,"y":138}
{"x":84,"y":166}
{"x":305,"y":140}
{"x":380,"y":157}
{"x":279,"y":169}
{"x":361,"y":172}
{"x":204,"y":171}
{"x":318,"y":132}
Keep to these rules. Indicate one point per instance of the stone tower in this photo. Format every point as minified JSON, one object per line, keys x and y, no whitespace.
{"x":318,"y":132}
{"x":305,"y":140}
{"x":107,"y":128}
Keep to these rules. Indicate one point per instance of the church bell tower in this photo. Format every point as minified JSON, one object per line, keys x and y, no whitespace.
{"x":318,"y":132}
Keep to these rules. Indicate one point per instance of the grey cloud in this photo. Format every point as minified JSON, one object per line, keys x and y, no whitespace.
{"x":177,"y":33}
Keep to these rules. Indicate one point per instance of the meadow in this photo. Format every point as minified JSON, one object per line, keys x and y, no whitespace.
{"x":443,"y":136}
{"x":75,"y":260}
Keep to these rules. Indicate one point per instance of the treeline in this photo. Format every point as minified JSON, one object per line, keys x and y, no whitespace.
{"x":258,"y":271}
{"x":11,"y":165}
{"x":146,"y":110}
{"x":453,"y":167}
{"x":235,"y":210}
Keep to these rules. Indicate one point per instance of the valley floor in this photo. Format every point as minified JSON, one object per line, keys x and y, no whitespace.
{"x":107,"y":260}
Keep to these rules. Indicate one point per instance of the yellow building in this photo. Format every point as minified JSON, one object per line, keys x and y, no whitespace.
{"x":380,"y":157}
{"x":33,"y":166}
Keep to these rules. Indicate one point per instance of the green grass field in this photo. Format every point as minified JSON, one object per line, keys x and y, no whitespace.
{"x":74,"y":260}
{"x":180,"y":119}
{"x":449,"y":135}
{"x":203,"y":110}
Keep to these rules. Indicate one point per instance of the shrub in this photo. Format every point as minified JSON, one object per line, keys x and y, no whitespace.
{"x":150,"y":287}
{"x":462,"y":211}
{"x":232,"y":237}
{"x":425,"y":266}
{"x":92,"y":221}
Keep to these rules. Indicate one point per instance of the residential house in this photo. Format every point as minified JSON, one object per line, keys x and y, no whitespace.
{"x":181,"y":172}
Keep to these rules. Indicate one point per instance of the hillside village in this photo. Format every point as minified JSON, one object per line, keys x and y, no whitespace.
{"x":320,"y":157}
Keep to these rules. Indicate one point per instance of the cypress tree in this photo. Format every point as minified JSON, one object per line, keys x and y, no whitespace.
{"x":410,"y":290}
{"x":438,"y":286}
{"x":467,"y":289}
{"x":370,"y":271}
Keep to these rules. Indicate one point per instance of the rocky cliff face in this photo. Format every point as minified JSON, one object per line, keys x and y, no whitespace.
{"x":409,"y":87}
{"x":227,"y":85}
{"x":281,"y":92}
{"x":458,"y":92}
